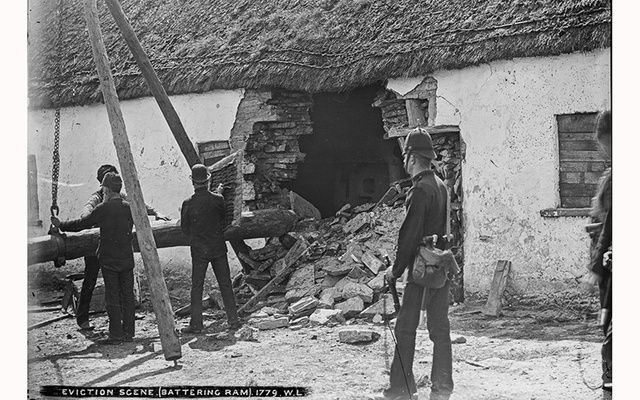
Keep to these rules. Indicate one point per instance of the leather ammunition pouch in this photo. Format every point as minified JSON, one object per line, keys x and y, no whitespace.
{"x":432,"y":267}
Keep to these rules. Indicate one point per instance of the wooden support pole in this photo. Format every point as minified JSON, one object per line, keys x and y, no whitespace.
{"x":170,"y":114}
{"x":159,"y":294}
{"x":32,"y":192}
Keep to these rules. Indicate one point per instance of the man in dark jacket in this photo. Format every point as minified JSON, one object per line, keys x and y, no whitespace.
{"x":202,"y":221}
{"x":91,"y":266}
{"x":115,"y":255}
{"x":600,"y":267}
{"x":425,"y":216}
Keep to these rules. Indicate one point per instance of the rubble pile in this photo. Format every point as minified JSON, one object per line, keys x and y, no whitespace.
{"x":340,"y":277}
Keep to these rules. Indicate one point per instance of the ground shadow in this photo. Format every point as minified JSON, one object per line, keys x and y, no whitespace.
{"x":549,"y":325}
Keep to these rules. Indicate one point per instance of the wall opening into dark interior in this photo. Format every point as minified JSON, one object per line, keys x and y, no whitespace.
{"x":347,"y":159}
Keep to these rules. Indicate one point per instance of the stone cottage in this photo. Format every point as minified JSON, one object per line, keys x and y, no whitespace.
{"x":319,"y":94}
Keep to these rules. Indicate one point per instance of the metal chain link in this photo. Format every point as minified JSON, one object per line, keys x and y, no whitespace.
{"x":55,"y":165}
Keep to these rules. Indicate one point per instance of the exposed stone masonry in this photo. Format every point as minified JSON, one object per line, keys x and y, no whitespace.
{"x":267,"y":127}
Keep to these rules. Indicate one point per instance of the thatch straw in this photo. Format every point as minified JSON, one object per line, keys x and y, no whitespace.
{"x":330,"y":45}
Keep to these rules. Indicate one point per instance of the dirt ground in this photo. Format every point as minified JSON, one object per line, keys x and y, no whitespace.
{"x":536,"y":350}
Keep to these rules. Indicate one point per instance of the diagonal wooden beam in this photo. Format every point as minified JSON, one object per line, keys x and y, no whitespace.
{"x":159,"y":293}
{"x":150,"y":76}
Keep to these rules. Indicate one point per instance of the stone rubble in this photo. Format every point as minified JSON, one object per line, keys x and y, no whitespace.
{"x":340,"y":278}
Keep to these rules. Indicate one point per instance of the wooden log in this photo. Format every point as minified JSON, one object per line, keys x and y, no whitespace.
{"x":256,"y":224}
{"x":294,"y":254}
{"x":493,"y":306}
{"x":142,"y":60}
{"x":159,"y":294}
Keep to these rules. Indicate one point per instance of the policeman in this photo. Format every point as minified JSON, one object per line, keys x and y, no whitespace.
{"x":600,"y":267}
{"x":202,"y":221}
{"x":425,"y":216}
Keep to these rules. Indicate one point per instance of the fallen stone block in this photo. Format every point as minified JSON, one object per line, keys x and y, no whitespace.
{"x":353,"y":289}
{"x":303,"y":321}
{"x":247,"y":334}
{"x":354,"y":253}
{"x":459,"y":340}
{"x":330,"y":281}
{"x":351,"y":307}
{"x":301,"y":283}
{"x":356,"y":223}
{"x":377,"y":283}
{"x":322,"y":317}
{"x":327,"y":298}
{"x":372,"y":262}
{"x":340,"y":286}
{"x":269,"y":310}
{"x":338,"y":268}
{"x":384,"y":307}
{"x":299,"y":307}
{"x":353,"y":335}
{"x":358,"y":273}
{"x":272,"y":323}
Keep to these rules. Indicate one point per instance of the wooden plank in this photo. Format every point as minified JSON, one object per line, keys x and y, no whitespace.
{"x":566,"y":155}
{"x":577,"y":189}
{"x":592,"y":177}
{"x":213,"y":145}
{"x":298,"y":250}
{"x":402,"y":131}
{"x":574,"y":166}
{"x":142,"y":60}
{"x":569,"y":136}
{"x":571,"y":177}
{"x":159,"y":294}
{"x":575,"y":202}
{"x":580,"y":145}
{"x":565,"y":212}
{"x":598,"y":166}
{"x":585,"y":122}
{"x":493,"y":306}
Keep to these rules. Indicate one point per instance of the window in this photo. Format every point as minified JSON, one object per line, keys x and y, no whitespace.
{"x":213,"y":151}
{"x":581,"y":160}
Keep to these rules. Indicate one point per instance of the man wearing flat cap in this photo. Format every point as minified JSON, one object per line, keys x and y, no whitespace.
{"x":425,"y":216}
{"x":202,"y":221}
{"x":115,"y":255}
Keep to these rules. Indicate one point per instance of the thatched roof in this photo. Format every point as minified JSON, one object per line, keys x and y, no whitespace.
{"x":307,"y":45}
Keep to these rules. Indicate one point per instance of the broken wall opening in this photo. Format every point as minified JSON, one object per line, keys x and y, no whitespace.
{"x":347,"y":160}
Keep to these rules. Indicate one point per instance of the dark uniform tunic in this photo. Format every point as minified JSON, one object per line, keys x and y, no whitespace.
{"x":603,"y":212}
{"x":202,"y":221}
{"x":426,"y":214}
{"x":115,"y":257}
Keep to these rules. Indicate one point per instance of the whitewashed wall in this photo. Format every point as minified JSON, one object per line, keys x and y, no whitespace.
{"x":506,"y":114}
{"x":86,"y":143}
